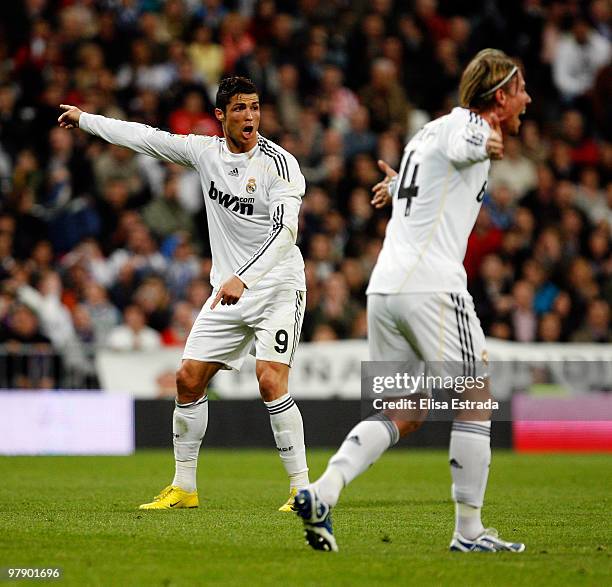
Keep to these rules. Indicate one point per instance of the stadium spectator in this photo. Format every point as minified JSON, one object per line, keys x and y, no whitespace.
{"x":550,"y":328}
{"x":534,"y":145}
{"x":337,"y":309}
{"x":596,"y":327}
{"x":500,"y":206}
{"x":259,"y":66}
{"x":141,"y":72}
{"x":115,"y":163}
{"x":515,"y":170}
{"x":579,"y":55}
{"x":134,"y":334}
{"x":589,"y":197}
{"x":7,"y":261}
{"x":358,"y":138}
{"x":103,"y":314}
{"x":545,"y":292}
{"x":183,"y":266}
{"x":141,"y":251}
{"x":180,"y":325}
{"x":562,"y":306}
{"x":206,"y":57}
{"x":54,"y":318}
{"x":336,"y":103}
{"x":385,"y":98}
{"x":486,"y":238}
{"x":153,"y":298}
{"x":83,"y":325}
{"x":30,"y":362}
{"x":288,"y":100}
{"x":524,"y":320}
{"x":235,"y":40}
{"x":584,"y":149}
{"x":165,"y":215}
{"x":490,"y":290}
{"x":192,"y":118}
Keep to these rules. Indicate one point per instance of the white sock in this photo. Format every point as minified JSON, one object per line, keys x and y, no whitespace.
{"x":470,"y":456}
{"x":188,"y":428}
{"x":363,"y":446}
{"x":288,"y":430}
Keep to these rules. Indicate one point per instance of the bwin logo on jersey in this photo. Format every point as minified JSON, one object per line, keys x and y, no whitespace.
{"x":234,"y":203}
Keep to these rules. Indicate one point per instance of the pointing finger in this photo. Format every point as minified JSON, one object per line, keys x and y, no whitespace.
{"x":386,"y":168}
{"x":217,"y":299}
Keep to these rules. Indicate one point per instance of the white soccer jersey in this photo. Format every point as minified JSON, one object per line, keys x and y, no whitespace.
{"x":436,"y":200}
{"x":252,"y":199}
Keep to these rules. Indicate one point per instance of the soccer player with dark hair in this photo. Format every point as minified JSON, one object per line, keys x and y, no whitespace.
{"x":253,"y":190}
{"x":419,"y":308}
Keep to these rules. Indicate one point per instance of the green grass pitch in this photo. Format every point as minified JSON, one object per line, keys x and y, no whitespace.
{"x":393,"y":524}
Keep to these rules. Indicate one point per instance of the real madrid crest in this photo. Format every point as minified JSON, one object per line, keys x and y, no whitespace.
{"x":251,"y":185}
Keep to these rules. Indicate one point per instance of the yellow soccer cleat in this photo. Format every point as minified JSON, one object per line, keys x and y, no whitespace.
{"x":289,"y":505}
{"x":172,"y":498}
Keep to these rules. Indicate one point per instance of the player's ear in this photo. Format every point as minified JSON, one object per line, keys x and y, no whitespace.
{"x":220,"y":115}
{"x":501,"y":97}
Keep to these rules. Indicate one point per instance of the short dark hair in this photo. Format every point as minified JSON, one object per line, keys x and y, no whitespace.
{"x":230,"y":86}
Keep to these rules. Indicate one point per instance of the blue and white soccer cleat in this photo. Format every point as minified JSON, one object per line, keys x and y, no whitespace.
{"x":316,"y":516}
{"x":488,"y":541}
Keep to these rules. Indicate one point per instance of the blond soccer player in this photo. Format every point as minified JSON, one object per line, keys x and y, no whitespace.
{"x":419,"y":307}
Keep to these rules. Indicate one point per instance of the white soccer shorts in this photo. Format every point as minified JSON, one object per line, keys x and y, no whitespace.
{"x":272,"y":319}
{"x":434,"y":327}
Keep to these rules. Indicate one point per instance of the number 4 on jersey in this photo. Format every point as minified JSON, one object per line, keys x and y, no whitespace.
{"x":407,"y":192}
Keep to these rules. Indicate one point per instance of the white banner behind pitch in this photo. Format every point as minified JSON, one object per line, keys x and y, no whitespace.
{"x":320,"y":370}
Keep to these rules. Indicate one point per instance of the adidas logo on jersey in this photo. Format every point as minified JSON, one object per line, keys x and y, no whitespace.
{"x":234,"y":203}
{"x":234,"y":172}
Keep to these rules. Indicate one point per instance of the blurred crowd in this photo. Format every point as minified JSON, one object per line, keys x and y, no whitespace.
{"x":100,"y":245}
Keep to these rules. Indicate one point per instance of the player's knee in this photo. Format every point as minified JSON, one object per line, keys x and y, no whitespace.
{"x":407,"y":420}
{"x":406,"y":427}
{"x":270,"y":385}
{"x":189,"y":388}
{"x":477,"y":413}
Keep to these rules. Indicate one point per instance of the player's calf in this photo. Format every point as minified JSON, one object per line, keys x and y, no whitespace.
{"x":286,"y":423}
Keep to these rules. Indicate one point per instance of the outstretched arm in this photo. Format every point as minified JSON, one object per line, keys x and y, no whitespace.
{"x":138,"y":137}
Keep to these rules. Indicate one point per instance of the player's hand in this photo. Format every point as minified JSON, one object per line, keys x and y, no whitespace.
{"x":495,"y":144}
{"x":70,"y":118}
{"x":382,"y":197}
{"x":229,"y":293}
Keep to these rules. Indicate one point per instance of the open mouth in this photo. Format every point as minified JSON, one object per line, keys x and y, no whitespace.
{"x":247,"y":131}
